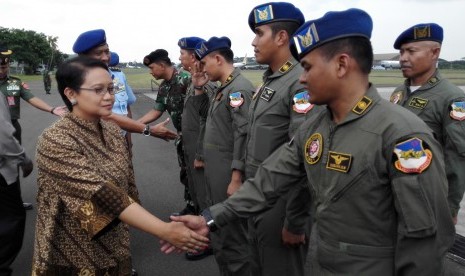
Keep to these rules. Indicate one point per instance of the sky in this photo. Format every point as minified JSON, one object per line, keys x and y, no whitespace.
{"x":134,"y":28}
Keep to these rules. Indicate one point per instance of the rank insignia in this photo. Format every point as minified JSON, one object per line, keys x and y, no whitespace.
{"x":302,"y":102}
{"x":396,"y":97}
{"x":362,"y":105}
{"x":458,"y":111}
{"x":418,"y":103}
{"x":433,"y":80}
{"x":285,"y":67}
{"x":412,"y":157}
{"x":264,"y":14}
{"x":230,"y":77}
{"x":313,"y":148}
{"x":235,"y":99}
{"x":339,"y":161}
{"x":267,"y":94}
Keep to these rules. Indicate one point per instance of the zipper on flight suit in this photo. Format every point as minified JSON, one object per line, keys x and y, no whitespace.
{"x":342,"y":191}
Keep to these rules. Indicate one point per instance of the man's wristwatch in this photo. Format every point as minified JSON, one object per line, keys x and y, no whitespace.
{"x":146,"y":130}
{"x":209,"y":219}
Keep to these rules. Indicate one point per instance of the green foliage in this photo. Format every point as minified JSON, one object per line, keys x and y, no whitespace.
{"x":32,"y":48}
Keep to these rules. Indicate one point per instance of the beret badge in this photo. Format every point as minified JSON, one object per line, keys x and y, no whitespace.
{"x":422,"y":32}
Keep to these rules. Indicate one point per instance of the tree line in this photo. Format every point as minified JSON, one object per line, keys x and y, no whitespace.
{"x":32,"y":48}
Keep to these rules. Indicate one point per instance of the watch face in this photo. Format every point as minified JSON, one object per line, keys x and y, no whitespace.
{"x":146,"y":131}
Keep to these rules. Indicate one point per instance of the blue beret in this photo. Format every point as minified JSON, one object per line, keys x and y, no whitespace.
{"x":333,"y":25}
{"x":189,"y":43}
{"x":215,"y":43}
{"x":420,"y":32}
{"x":274,"y":12}
{"x":89,"y":40}
{"x":114,"y":59}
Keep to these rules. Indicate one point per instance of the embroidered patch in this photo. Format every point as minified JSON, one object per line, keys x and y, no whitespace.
{"x":458,"y":111}
{"x":11,"y":100}
{"x":285,"y":67}
{"x":396,"y":97}
{"x":412,"y":157}
{"x":264,"y":14}
{"x":25,"y":85}
{"x":362,"y":105}
{"x":13,"y":87}
{"x":339,"y":161}
{"x":267,"y":94}
{"x":418,"y":103}
{"x":302,"y":102}
{"x":313,"y":148}
{"x":235,"y":99}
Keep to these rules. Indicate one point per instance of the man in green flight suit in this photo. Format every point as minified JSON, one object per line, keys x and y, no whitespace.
{"x":224,"y":147}
{"x":171,"y":94}
{"x":194,"y":116}
{"x":435,"y":100}
{"x":379,"y":187}
{"x":279,"y":237}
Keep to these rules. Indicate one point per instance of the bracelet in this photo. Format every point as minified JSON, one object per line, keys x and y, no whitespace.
{"x":53,"y":108}
{"x":198,"y":87}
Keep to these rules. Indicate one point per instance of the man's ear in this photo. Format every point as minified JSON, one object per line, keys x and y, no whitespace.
{"x":343,"y":64}
{"x":282,"y":38}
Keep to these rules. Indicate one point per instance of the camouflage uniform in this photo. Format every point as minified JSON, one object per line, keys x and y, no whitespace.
{"x":171,"y":95}
{"x":47,"y":82}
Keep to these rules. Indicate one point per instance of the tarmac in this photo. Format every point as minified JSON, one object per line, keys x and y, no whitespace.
{"x":157,"y":178}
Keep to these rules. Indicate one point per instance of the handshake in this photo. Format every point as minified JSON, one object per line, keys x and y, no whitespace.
{"x":188,"y":233}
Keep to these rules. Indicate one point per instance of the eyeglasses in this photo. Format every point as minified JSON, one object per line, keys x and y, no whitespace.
{"x":101,"y":91}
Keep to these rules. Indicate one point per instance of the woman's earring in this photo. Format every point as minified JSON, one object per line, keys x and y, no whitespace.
{"x":73,"y":102}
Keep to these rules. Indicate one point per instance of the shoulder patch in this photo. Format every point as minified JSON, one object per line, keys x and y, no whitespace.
{"x":236,"y":99}
{"x":458,"y":111}
{"x":411,"y":156}
{"x":362,"y":105}
{"x":302,"y":102}
{"x":313,"y":148}
{"x":396,"y":97}
{"x":25,"y":85}
{"x":419,"y":103}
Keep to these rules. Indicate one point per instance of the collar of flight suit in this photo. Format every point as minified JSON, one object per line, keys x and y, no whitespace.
{"x":434,"y":80}
{"x":363,"y":106}
{"x":283,"y":70}
{"x":236,"y":72}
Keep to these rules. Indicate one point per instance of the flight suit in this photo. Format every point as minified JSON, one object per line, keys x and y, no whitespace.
{"x":170,"y":97}
{"x":193,"y":130}
{"x":277,"y":110}
{"x":14,"y":89}
{"x":379,"y":191}
{"x":441,"y":105}
{"x":224,"y":150}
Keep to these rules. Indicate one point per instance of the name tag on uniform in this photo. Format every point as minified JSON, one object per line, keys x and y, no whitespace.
{"x":339,"y":161}
{"x":11,"y":100}
{"x":418,"y":103}
{"x":267,"y":94}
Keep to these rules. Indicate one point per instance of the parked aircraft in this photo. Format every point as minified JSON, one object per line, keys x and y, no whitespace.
{"x":241,"y":64}
{"x":390,"y":64}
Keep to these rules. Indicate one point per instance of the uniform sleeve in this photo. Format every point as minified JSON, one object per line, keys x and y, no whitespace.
{"x":298,"y":208}
{"x":280,"y":172}
{"x":202,"y":102}
{"x":425,"y":229}
{"x":94,"y":202}
{"x":160,"y":103}
{"x":131,"y":96}
{"x":296,"y":117}
{"x":25,"y":92}
{"x":454,"y":156}
{"x":240,"y":120}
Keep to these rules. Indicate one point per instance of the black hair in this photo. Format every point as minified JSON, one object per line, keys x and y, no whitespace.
{"x":358,"y":48}
{"x":72,"y":73}
{"x":227,"y":54}
{"x":159,"y":55}
{"x":289,"y":27}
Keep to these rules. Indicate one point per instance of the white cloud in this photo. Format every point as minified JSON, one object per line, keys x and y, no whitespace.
{"x":135,"y":28}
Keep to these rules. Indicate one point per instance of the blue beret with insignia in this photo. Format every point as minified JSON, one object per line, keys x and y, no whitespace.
{"x":189,"y":43}
{"x":275,"y":12}
{"x":114,"y":59}
{"x":214,"y":43}
{"x":88,"y":40}
{"x":420,"y":32}
{"x":333,"y":25}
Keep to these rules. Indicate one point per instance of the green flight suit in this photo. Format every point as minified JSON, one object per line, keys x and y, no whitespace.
{"x":274,"y":117}
{"x":379,"y":191}
{"x":224,"y":151}
{"x":14,"y":89}
{"x":193,"y":129}
{"x":433,"y":103}
{"x":170,"y":97}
